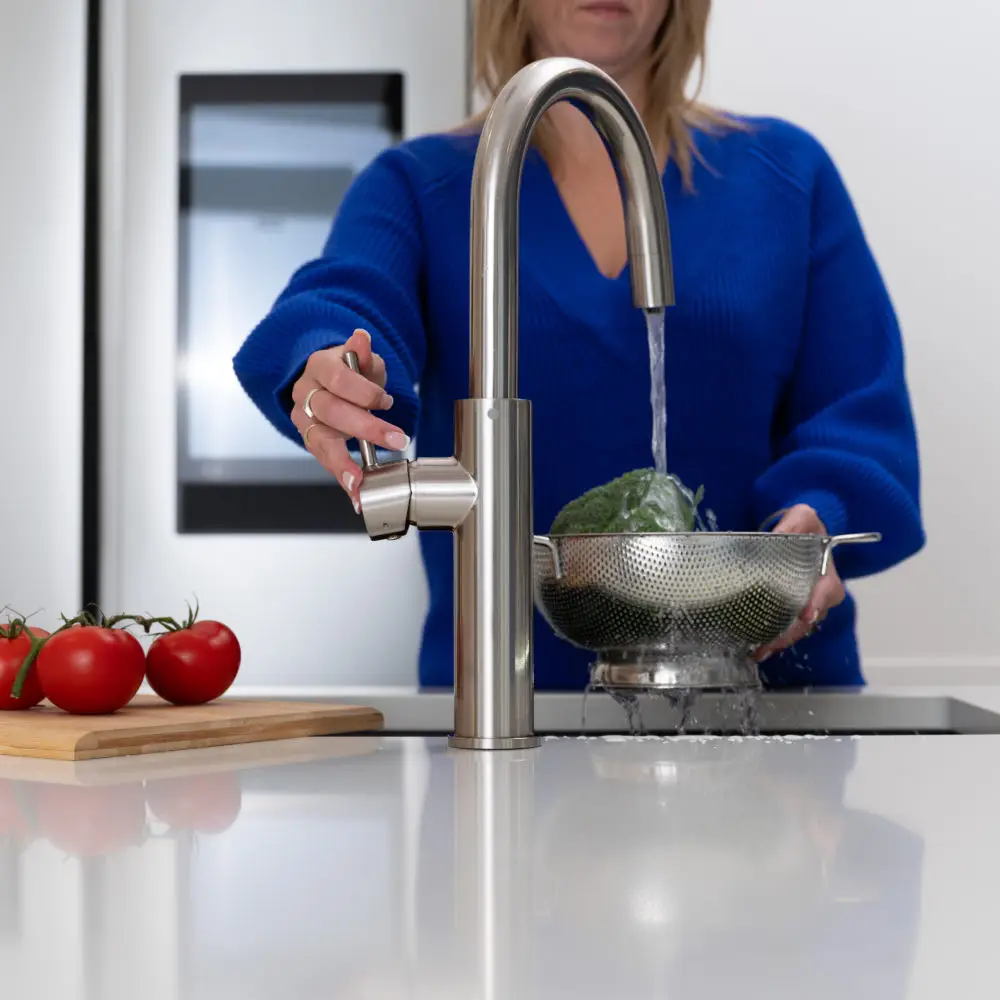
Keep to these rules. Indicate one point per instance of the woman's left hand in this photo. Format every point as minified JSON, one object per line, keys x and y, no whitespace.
{"x":829,"y":592}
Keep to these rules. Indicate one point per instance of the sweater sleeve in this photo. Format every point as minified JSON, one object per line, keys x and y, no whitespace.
{"x":368,"y":275}
{"x":846,"y":444}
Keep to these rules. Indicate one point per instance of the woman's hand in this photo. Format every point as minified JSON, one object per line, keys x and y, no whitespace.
{"x":340,"y":401}
{"x":829,"y":592}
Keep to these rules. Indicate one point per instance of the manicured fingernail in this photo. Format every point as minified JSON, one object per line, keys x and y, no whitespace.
{"x":397,"y":441}
{"x":349,"y":482}
{"x":357,"y":506}
{"x":364,"y":333}
{"x":387,"y":401}
{"x":764,"y":657}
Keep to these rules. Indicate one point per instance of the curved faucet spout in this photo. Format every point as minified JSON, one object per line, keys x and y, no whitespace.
{"x":485,"y":492}
{"x":495,"y":207}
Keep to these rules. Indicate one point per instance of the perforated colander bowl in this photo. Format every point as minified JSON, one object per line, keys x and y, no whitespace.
{"x":709,"y":594}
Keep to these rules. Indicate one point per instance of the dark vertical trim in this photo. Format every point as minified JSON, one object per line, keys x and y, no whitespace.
{"x":90,"y":583}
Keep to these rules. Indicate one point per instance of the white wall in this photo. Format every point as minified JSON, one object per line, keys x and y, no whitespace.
{"x":903,"y":94}
{"x":42,"y":50}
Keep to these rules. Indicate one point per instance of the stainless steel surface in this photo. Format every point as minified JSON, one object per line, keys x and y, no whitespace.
{"x":860,"y":538}
{"x":783,"y":712}
{"x":508,"y":743}
{"x":442,"y":492}
{"x":665,"y":670}
{"x":368,"y":459}
{"x":43,"y":61}
{"x":493,"y":586}
{"x":494,"y":604}
{"x":495,"y":206}
{"x":658,"y":602}
{"x":428,"y":493}
{"x":385,"y":500}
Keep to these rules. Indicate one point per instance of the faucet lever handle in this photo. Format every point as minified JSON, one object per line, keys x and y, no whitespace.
{"x":368,"y":459}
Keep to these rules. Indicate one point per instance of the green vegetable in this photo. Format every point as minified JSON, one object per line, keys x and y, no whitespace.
{"x":640,"y":501}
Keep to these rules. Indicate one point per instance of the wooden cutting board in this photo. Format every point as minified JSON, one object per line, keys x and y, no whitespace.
{"x":150,"y":725}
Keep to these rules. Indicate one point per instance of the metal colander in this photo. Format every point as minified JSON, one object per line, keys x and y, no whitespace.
{"x":678,"y":610}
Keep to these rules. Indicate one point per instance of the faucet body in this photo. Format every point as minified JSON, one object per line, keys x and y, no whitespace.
{"x":484,"y":493}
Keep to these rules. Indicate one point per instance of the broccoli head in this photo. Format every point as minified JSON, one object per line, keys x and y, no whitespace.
{"x":640,"y":501}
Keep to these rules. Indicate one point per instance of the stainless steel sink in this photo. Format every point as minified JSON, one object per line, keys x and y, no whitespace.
{"x":794,"y":713}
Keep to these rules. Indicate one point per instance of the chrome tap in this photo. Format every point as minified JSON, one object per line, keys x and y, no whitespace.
{"x":484,"y":493}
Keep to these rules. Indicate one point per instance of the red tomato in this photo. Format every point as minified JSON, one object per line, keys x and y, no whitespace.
{"x":195,"y":664}
{"x":91,"y":821}
{"x":89,"y":670}
{"x":12,"y":654}
{"x":205,"y":803}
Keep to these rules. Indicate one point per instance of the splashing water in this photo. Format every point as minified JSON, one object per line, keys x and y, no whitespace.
{"x":683,"y":701}
{"x":586,"y":695}
{"x":629,"y":702}
{"x":738,"y":710}
{"x":748,"y":706}
{"x":658,"y":387}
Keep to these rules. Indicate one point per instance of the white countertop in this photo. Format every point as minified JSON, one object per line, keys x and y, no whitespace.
{"x":375,"y":867}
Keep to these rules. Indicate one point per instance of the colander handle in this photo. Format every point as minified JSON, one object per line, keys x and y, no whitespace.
{"x":857,"y":539}
{"x":547,"y":543}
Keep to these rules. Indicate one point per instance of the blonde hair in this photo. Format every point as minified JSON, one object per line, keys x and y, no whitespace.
{"x":502,"y":46}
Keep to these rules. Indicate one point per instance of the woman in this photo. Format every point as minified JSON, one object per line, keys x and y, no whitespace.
{"x":784,"y":362}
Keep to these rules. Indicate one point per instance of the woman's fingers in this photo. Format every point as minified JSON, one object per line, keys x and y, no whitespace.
{"x":349,"y":420}
{"x":327,"y":370}
{"x":830,"y":590}
{"x":800,"y":520}
{"x":327,"y":367}
{"x":378,"y":372}
{"x":797,"y":632}
{"x":339,"y":402}
{"x":329,"y":448}
{"x":828,"y":593}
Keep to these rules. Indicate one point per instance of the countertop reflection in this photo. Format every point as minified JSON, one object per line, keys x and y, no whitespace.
{"x":390,"y":868}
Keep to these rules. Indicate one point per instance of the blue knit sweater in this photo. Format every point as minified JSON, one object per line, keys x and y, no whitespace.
{"x":784,"y":363}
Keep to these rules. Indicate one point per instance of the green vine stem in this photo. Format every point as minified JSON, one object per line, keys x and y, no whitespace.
{"x":168,"y":624}
{"x":15,"y":628}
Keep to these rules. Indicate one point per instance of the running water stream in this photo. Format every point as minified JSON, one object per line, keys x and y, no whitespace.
{"x":658,"y":387}
{"x":683,"y":700}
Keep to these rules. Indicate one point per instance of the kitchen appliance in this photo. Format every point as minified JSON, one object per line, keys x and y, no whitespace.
{"x":43,"y":51}
{"x":150,"y":725}
{"x":484,"y":493}
{"x":681,"y":610}
{"x":665,"y":611}
{"x":230,"y":131}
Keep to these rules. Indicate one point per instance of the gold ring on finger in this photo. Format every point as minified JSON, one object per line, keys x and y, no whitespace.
{"x":305,"y":435}
{"x":306,"y":407}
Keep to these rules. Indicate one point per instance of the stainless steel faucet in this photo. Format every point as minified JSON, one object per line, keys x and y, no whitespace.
{"x":484,"y":493}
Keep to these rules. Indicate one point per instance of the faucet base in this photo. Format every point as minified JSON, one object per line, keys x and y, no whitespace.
{"x":494,"y":591}
{"x":505,"y":743}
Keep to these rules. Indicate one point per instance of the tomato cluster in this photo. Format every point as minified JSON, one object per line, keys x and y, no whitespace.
{"x":92,"y":665}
